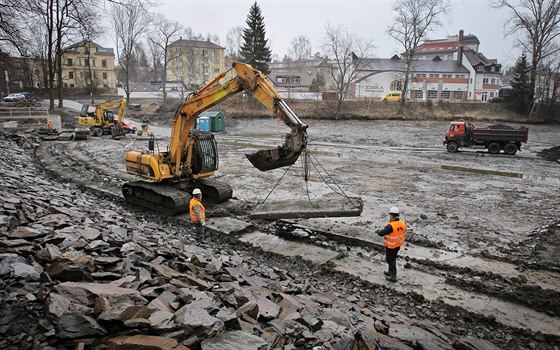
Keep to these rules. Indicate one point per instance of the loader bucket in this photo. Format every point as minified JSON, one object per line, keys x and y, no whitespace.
{"x":269,"y":159}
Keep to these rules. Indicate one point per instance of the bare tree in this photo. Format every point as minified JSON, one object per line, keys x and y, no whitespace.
{"x":156,"y":61}
{"x":164,"y":33}
{"x":234,"y":41}
{"x":131,"y":20}
{"x":539,"y":21}
{"x":414,"y":19}
{"x":300,"y":48}
{"x":345,"y":53}
{"x":62,"y":20}
{"x":12,"y":25}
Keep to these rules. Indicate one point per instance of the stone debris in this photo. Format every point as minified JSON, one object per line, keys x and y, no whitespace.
{"x":78,"y":271}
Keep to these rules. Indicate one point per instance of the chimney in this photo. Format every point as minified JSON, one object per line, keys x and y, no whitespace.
{"x":460,"y":56}
{"x":461,"y":33}
{"x":180,"y":38}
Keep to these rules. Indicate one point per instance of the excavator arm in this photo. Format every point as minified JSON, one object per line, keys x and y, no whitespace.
{"x":257,"y":84}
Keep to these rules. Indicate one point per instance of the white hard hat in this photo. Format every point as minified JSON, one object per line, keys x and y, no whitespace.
{"x":394,"y":210}
{"x":196,"y":191}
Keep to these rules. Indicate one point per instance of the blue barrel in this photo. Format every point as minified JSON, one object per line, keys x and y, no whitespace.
{"x":204,"y":124}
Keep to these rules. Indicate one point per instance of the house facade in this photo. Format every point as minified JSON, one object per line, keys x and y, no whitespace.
{"x":194,"y":62}
{"x":87,"y":64}
{"x":433,"y":79}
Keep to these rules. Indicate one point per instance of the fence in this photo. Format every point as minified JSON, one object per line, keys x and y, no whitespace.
{"x":23,"y":113}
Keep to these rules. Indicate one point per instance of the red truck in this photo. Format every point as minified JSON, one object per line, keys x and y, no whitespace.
{"x":495,"y":138}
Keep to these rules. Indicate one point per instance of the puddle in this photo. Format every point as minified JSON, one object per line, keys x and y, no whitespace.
{"x":429,"y":286}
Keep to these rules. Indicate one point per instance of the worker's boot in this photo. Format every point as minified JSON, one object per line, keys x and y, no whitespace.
{"x":391,"y":278}
{"x":387,"y":273}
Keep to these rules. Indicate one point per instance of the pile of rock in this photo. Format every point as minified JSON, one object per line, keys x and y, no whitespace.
{"x":77,"y":270}
{"x":552,"y":154}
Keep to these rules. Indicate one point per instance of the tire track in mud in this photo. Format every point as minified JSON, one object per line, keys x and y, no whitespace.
{"x":460,"y":286}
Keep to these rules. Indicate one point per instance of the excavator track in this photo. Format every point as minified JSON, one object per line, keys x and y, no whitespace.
{"x":158,"y":196}
{"x":170,"y":200}
{"x":214,"y":190}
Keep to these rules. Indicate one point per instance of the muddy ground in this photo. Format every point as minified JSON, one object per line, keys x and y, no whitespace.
{"x":483,"y":256}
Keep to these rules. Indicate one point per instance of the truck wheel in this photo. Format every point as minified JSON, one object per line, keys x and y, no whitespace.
{"x":510,"y":148}
{"x":494,"y":148}
{"x":97,"y":131}
{"x":452,"y":147}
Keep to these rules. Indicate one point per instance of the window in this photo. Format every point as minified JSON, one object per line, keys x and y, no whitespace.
{"x":449,"y":57}
{"x":458,"y":95}
{"x":216,"y":60}
{"x":479,"y":68}
{"x":431,"y":95}
{"x":492,"y":69}
{"x":421,"y":75}
{"x":70,"y":75}
{"x":434,"y":75}
{"x":104,"y":63}
{"x":470,"y":81}
{"x":72,"y":85}
{"x":204,"y":53}
{"x":281,"y":80}
{"x":460,"y":76}
{"x":418,"y":93}
{"x":396,"y":85}
{"x":491,"y":94}
{"x":493,"y":80}
{"x":177,"y":49}
{"x":79,"y":61}
{"x":69,"y":62}
{"x":65,"y":85}
{"x":204,"y":59}
{"x":205,"y":70}
{"x":445,"y":95}
{"x":484,"y":96}
{"x":485,"y":81}
{"x":447,"y":75}
{"x":93,"y":62}
{"x":294,"y":80}
{"x":216,"y":70}
{"x":104,"y":76}
{"x":86,"y":62}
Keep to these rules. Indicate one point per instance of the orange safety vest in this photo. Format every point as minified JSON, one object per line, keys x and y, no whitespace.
{"x":396,"y":238}
{"x":194,"y":217}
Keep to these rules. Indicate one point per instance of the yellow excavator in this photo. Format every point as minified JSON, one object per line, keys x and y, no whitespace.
{"x":102,"y":121}
{"x":192,"y":156}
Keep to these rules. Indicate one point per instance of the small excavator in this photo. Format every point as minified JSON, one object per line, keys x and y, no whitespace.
{"x":102,"y":121}
{"x":192,"y":156}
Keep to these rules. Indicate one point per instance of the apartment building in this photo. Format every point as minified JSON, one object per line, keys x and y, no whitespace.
{"x":194,"y":62}
{"x":87,"y":64}
{"x":434,"y":79}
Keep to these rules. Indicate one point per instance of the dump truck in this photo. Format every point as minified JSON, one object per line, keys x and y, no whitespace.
{"x":494,"y":138}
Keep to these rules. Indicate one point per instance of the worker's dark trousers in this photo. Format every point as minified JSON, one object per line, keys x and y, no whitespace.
{"x":391,"y":258}
{"x":199,"y":229}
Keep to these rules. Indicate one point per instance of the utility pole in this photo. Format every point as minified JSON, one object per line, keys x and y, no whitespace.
{"x":7,"y":81}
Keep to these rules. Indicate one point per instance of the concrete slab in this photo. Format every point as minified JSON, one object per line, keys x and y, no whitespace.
{"x":305,"y":209}
{"x":227,"y":225}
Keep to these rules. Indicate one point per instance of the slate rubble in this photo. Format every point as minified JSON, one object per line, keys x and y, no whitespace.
{"x":78,"y":270}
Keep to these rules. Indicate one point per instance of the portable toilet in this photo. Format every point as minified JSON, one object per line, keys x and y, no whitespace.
{"x":204,"y":124}
{"x":217,"y":120}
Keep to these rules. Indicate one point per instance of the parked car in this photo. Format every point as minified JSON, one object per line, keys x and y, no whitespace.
{"x":26,"y":94}
{"x":392,"y":96}
{"x":14,"y":97}
{"x":496,"y":100}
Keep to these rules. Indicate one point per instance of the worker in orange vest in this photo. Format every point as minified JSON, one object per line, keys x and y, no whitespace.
{"x":197,"y":211}
{"x":394,"y":235}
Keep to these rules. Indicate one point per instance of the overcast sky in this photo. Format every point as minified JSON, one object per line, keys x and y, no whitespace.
{"x":286,"y":19}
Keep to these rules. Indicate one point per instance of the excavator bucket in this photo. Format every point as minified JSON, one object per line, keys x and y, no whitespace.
{"x":269,"y":159}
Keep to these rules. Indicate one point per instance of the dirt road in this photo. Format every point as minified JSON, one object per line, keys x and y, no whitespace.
{"x":485,"y":226}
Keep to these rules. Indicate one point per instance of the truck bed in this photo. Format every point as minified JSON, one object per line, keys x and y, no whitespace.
{"x":520,"y":135}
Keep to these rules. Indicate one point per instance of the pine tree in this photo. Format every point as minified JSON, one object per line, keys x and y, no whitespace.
{"x":520,"y":98}
{"x":255,"y":49}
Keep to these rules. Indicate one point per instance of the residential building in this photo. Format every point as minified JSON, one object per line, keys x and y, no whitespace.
{"x":434,"y":79}
{"x":88,"y":65}
{"x":194,"y":62}
{"x":444,"y":69}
